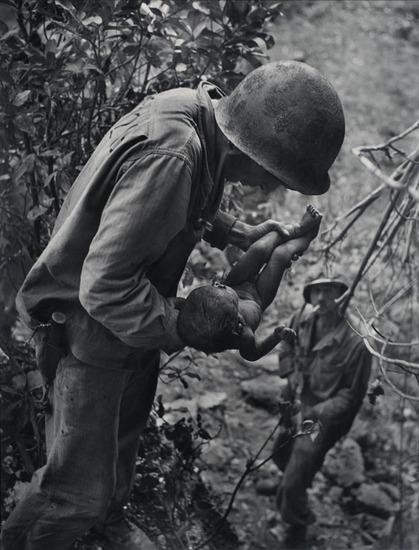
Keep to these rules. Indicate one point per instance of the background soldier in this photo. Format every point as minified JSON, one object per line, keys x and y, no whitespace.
{"x":327,"y":370}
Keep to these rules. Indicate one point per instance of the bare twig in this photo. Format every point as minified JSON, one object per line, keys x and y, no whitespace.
{"x":251,"y":467}
{"x":386,"y":144}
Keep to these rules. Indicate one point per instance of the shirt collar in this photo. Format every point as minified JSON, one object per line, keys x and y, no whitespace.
{"x":207,"y":128}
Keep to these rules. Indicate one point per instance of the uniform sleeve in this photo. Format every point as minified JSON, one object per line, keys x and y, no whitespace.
{"x":218,"y":234}
{"x":344,"y":405}
{"x":146,"y":209}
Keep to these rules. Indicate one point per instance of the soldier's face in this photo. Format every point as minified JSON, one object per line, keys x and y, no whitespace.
{"x":323,"y":297}
{"x":240,"y":167}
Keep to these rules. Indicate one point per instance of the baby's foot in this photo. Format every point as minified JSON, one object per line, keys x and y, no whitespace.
{"x":310,"y":222}
{"x":308,"y":228}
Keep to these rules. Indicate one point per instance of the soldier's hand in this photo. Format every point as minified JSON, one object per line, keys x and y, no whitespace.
{"x":252,"y":233}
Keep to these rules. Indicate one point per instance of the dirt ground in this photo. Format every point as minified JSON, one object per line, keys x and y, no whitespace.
{"x":369,"y":51}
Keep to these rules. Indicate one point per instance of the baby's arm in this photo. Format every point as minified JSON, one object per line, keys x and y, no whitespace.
{"x":252,"y":347}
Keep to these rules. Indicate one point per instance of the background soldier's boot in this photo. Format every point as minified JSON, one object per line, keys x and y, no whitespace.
{"x":295,"y":538}
{"x":124,"y":535}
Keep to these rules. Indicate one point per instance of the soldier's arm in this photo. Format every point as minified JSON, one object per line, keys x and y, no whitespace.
{"x":146,"y":209}
{"x":226,"y":229}
{"x":347,"y":401}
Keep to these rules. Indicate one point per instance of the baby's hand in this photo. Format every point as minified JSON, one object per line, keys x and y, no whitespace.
{"x":286,"y":334}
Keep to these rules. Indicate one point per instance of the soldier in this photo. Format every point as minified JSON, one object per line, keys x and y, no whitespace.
{"x":327,"y":370}
{"x":150,"y":191}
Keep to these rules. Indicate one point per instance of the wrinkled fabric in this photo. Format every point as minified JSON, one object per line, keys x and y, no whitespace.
{"x":112,"y":266}
{"x":127,"y":227}
{"x":92,"y":441}
{"x":335,"y":372}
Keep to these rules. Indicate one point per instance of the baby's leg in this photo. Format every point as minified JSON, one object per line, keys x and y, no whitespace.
{"x":252,"y":261}
{"x":268,"y":281}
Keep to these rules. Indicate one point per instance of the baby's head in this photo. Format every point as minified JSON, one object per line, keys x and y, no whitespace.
{"x":209,"y":317}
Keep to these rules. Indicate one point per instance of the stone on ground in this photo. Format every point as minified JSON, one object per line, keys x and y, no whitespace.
{"x":345,"y":464}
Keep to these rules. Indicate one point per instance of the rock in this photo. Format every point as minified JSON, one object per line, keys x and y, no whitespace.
{"x":374,"y":525}
{"x":335,"y":494}
{"x":268,"y":363}
{"x":299,"y":55}
{"x":404,"y":30}
{"x":178,"y":408}
{"x":264,"y":391}
{"x":345,"y":464}
{"x":267,"y":486}
{"x":372,"y":499}
{"x":392,"y":491}
{"x":211,"y":399}
{"x":216,"y":454}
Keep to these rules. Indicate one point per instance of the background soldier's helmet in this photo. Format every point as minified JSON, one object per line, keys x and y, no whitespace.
{"x":288,"y":118}
{"x":336,"y":280}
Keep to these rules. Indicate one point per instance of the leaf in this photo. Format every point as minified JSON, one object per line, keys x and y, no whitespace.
{"x":192,"y":375}
{"x":35,"y":212}
{"x":19,"y":382}
{"x":75,"y":67}
{"x":5,"y":76}
{"x":67,"y":6}
{"x":25,"y":166}
{"x":22,"y":98}
{"x":7,"y":35}
{"x":199,"y":28}
{"x":254,"y":60}
{"x":202,"y":432}
{"x":50,"y":46}
{"x":131,"y":49}
{"x":89,"y":67}
{"x":25,"y":123}
{"x":200,"y":6}
{"x":145,"y":10}
{"x":4,"y":358}
{"x":181,"y":67}
{"x":93,"y":20}
{"x":260,"y":43}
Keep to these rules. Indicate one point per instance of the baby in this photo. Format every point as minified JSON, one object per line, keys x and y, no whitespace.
{"x":217,"y":317}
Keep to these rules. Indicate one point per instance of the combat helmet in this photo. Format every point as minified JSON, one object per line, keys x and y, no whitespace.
{"x":335,"y":280}
{"x":288,"y":118}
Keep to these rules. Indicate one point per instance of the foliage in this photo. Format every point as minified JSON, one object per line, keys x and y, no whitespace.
{"x":387,"y":313}
{"x":22,"y":413}
{"x":168,"y":483}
